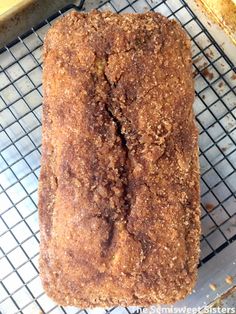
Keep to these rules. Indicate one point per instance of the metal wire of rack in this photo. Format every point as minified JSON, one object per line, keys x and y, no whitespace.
{"x":20,"y":149}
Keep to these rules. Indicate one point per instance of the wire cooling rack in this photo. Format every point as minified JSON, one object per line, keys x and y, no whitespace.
{"x":20,"y":149}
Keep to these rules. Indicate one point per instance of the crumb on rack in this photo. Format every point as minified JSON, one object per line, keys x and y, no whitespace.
{"x":221,"y":84}
{"x":209,"y":206}
{"x":195,"y":73}
{"x":210,"y":54}
{"x":199,"y":58}
{"x":231,"y":125}
{"x":207,"y":74}
{"x":199,"y":68}
{"x":233,"y":76}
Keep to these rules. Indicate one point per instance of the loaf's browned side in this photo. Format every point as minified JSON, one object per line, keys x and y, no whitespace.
{"x":119,"y":183}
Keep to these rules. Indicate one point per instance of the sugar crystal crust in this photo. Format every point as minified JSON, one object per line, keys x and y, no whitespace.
{"x":119,"y":183}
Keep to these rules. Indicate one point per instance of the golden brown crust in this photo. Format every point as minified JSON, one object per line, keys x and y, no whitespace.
{"x":119,"y":183}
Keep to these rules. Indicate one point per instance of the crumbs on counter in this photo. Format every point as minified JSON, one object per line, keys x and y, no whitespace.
{"x":213,"y":286}
{"x":206,"y":73}
{"x":229,"y":280}
{"x":195,"y":73}
{"x":203,"y":96}
{"x":199,"y":67}
{"x":221,"y":84}
{"x":224,"y":148}
{"x":231,"y":125}
{"x":233,"y":76}
{"x":209,"y":206}
{"x":199,"y":58}
{"x":210,"y":54}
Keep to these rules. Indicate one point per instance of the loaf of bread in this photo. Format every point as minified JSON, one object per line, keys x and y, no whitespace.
{"x":119,"y":183}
